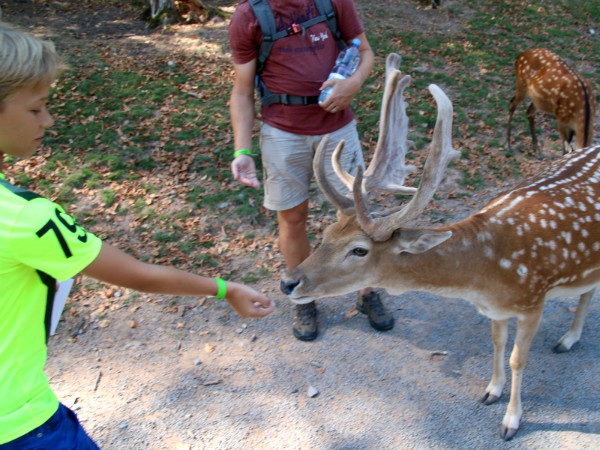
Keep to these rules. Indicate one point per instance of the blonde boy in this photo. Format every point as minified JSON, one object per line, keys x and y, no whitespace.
{"x":40,"y":244}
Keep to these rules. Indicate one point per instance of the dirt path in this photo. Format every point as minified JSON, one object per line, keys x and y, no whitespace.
{"x":153,"y":372}
{"x":202,"y":378}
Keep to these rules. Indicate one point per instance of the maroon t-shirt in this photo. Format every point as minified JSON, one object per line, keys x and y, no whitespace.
{"x":299,"y":63}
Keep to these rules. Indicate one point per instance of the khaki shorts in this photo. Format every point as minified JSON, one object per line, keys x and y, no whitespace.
{"x":287,"y":163}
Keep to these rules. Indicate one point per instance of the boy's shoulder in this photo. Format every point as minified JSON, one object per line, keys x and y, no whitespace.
{"x":19,"y":192}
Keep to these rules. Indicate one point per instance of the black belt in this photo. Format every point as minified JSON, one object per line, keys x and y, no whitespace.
{"x":287,"y":99}
{"x":268,"y":98}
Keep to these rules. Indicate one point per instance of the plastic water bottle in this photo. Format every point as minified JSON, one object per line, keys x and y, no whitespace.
{"x":345,"y":65}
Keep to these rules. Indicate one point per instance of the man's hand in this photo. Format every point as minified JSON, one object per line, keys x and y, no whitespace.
{"x":248,"y":302}
{"x":341,"y":95}
{"x":244,"y":171}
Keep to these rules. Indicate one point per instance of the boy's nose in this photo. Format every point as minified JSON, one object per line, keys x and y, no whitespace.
{"x":48,"y":120}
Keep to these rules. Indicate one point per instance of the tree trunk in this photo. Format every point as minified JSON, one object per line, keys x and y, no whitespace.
{"x":162,"y":12}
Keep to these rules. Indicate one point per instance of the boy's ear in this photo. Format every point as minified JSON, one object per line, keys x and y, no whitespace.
{"x":418,"y":241}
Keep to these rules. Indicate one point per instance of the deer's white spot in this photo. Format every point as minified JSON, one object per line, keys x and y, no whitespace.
{"x":522,"y":270}
{"x":511,"y":205}
{"x":505,"y":263}
{"x":517,"y":254}
{"x":484,"y":236}
{"x":566,"y":235}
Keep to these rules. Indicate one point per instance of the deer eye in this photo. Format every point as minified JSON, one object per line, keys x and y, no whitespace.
{"x":360,"y":251}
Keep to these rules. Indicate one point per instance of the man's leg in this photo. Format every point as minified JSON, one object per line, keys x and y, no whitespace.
{"x":295,"y":247}
{"x":369,"y":303}
{"x":293,"y":240}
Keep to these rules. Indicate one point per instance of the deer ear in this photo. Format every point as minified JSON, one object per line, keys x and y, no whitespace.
{"x":419,"y":241}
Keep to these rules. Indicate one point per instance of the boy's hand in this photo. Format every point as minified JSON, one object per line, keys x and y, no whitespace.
{"x":248,"y":302}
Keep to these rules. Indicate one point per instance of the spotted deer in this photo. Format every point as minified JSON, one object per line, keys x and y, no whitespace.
{"x":536,"y":241}
{"x":557,"y":89}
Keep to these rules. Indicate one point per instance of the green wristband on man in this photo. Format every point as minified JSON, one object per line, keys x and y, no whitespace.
{"x":242,"y":151}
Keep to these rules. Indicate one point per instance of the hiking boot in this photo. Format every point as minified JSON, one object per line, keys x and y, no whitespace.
{"x":305,"y":324}
{"x":379,"y":317}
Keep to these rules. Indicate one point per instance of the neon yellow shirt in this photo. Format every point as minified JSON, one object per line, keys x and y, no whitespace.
{"x":39,"y":244}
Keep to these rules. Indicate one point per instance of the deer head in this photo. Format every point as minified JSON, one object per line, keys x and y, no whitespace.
{"x":386,"y":172}
{"x":557,"y":89}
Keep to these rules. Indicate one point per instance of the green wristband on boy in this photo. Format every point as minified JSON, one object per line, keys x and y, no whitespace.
{"x":221,"y":288}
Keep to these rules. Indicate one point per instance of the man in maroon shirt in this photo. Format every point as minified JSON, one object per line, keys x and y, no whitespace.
{"x":298,"y":65}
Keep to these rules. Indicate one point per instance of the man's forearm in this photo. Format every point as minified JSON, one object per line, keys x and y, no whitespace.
{"x":242,"y":120}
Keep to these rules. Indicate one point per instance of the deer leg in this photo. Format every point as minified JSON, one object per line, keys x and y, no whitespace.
{"x":526,"y":329}
{"x":582,"y":140}
{"x":566,"y":134}
{"x":511,"y":110}
{"x":572,"y":336}
{"x":493,"y":392}
{"x":531,"y":118}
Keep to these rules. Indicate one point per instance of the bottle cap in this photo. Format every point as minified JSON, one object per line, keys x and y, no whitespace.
{"x":356,"y":42}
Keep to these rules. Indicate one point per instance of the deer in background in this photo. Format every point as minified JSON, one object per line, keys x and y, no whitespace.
{"x":557,"y":89}
{"x":537,"y":241}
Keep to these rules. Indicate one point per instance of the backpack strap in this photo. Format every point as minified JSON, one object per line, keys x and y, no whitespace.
{"x":266,"y":20}
{"x":268,"y":98}
{"x":325,"y":8}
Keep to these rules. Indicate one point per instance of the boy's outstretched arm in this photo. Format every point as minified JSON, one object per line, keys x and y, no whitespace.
{"x":117,"y":267}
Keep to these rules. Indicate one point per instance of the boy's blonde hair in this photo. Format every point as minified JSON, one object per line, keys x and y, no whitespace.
{"x":25,"y":60}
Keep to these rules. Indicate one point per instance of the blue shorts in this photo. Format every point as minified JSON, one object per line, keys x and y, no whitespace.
{"x":62,"y":431}
{"x":288,"y":163}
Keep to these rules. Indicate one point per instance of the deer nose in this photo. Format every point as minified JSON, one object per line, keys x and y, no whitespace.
{"x":288,"y":286}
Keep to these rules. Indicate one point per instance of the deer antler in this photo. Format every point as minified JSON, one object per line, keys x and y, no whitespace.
{"x":387,"y":170}
{"x":440,"y":153}
{"x":341,"y":202}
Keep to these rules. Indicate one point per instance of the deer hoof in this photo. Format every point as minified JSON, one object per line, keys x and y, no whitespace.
{"x":489,"y":399}
{"x":508,"y":433}
{"x":561,"y":348}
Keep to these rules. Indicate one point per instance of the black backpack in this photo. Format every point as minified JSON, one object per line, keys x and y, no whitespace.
{"x":266,"y":19}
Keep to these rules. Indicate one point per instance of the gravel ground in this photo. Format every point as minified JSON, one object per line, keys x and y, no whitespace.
{"x":211,"y":380}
